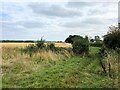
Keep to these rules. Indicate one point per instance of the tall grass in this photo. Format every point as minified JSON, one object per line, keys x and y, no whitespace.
{"x":16,"y":61}
{"x":112,"y":66}
{"x":47,"y":68}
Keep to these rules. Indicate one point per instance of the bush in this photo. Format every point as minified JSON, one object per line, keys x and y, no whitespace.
{"x":41,"y":44}
{"x":111,"y":51}
{"x":30,"y":49}
{"x":80,"y":46}
{"x":112,"y":39}
{"x":51,"y":47}
{"x":96,"y":44}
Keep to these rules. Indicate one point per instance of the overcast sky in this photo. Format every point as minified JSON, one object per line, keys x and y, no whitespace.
{"x":56,"y":20}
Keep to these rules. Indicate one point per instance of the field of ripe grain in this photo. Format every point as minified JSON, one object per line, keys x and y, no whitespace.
{"x":15,"y":44}
{"x":66,"y":45}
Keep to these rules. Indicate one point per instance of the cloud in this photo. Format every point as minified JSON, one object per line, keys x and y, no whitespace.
{"x":31,"y":24}
{"x":88,"y":23}
{"x":95,"y":21}
{"x":56,"y":21}
{"x":72,"y":24}
{"x":83,"y":4}
{"x":53,"y":10}
{"x":25,"y":24}
{"x":119,"y":12}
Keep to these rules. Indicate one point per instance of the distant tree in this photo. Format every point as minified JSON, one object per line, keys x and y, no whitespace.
{"x":92,"y":40}
{"x":86,"y":37}
{"x":97,"y":38}
{"x":59,"y":41}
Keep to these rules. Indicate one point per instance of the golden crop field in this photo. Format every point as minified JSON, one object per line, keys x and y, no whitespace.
{"x":66,"y":45}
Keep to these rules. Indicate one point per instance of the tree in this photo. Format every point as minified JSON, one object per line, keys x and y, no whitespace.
{"x":112,"y":38}
{"x":110,"y":50}
{"x":71,"y":38}
{"x":80,"y":45}
{"x":92,"y":40}
{"x":97,"y":38}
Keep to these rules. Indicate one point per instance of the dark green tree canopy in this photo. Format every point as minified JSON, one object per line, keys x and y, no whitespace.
{"x":112,"y":38}
{"x":92,"y":40}
{"x":80,"y":45}
{"x":71,"y":38}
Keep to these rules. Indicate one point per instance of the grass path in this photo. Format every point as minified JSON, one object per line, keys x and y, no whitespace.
{"x":75,"y":72}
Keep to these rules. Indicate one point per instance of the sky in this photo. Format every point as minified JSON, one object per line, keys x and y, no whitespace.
{"x":55,"y":21}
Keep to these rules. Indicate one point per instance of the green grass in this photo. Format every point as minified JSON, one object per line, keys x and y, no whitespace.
{"x":74,"y":72}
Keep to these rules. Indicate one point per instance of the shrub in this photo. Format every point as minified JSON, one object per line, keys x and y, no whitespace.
{"x":92,"y":40}
{"x":51,"y":47}
{"x":112,"y":39}
{"x":111,"y":51}
{"x":40,"y":44}
{"x":80,"y":46}
{"x":30,"y":49}
{"x":96,"y":44}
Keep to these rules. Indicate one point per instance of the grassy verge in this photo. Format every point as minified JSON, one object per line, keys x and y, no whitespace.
{"x":76,"y":71}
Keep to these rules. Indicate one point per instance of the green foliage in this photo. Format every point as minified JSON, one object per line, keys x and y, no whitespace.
{"x":40,"y":44}
{"x":92,"y":40}
{"x":97,"y":38}
{"x":71,"y":38}
{"x":103,"y":52}
{"x":29,"y":49}
{"x":112,"y":39}
{"x":96,"y":44}
{"x":80,"y":46}
{"x":51,"y":47}
{"x":110,"y":51}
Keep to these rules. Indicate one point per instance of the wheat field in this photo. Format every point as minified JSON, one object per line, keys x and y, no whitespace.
{"x":65,"y":45}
